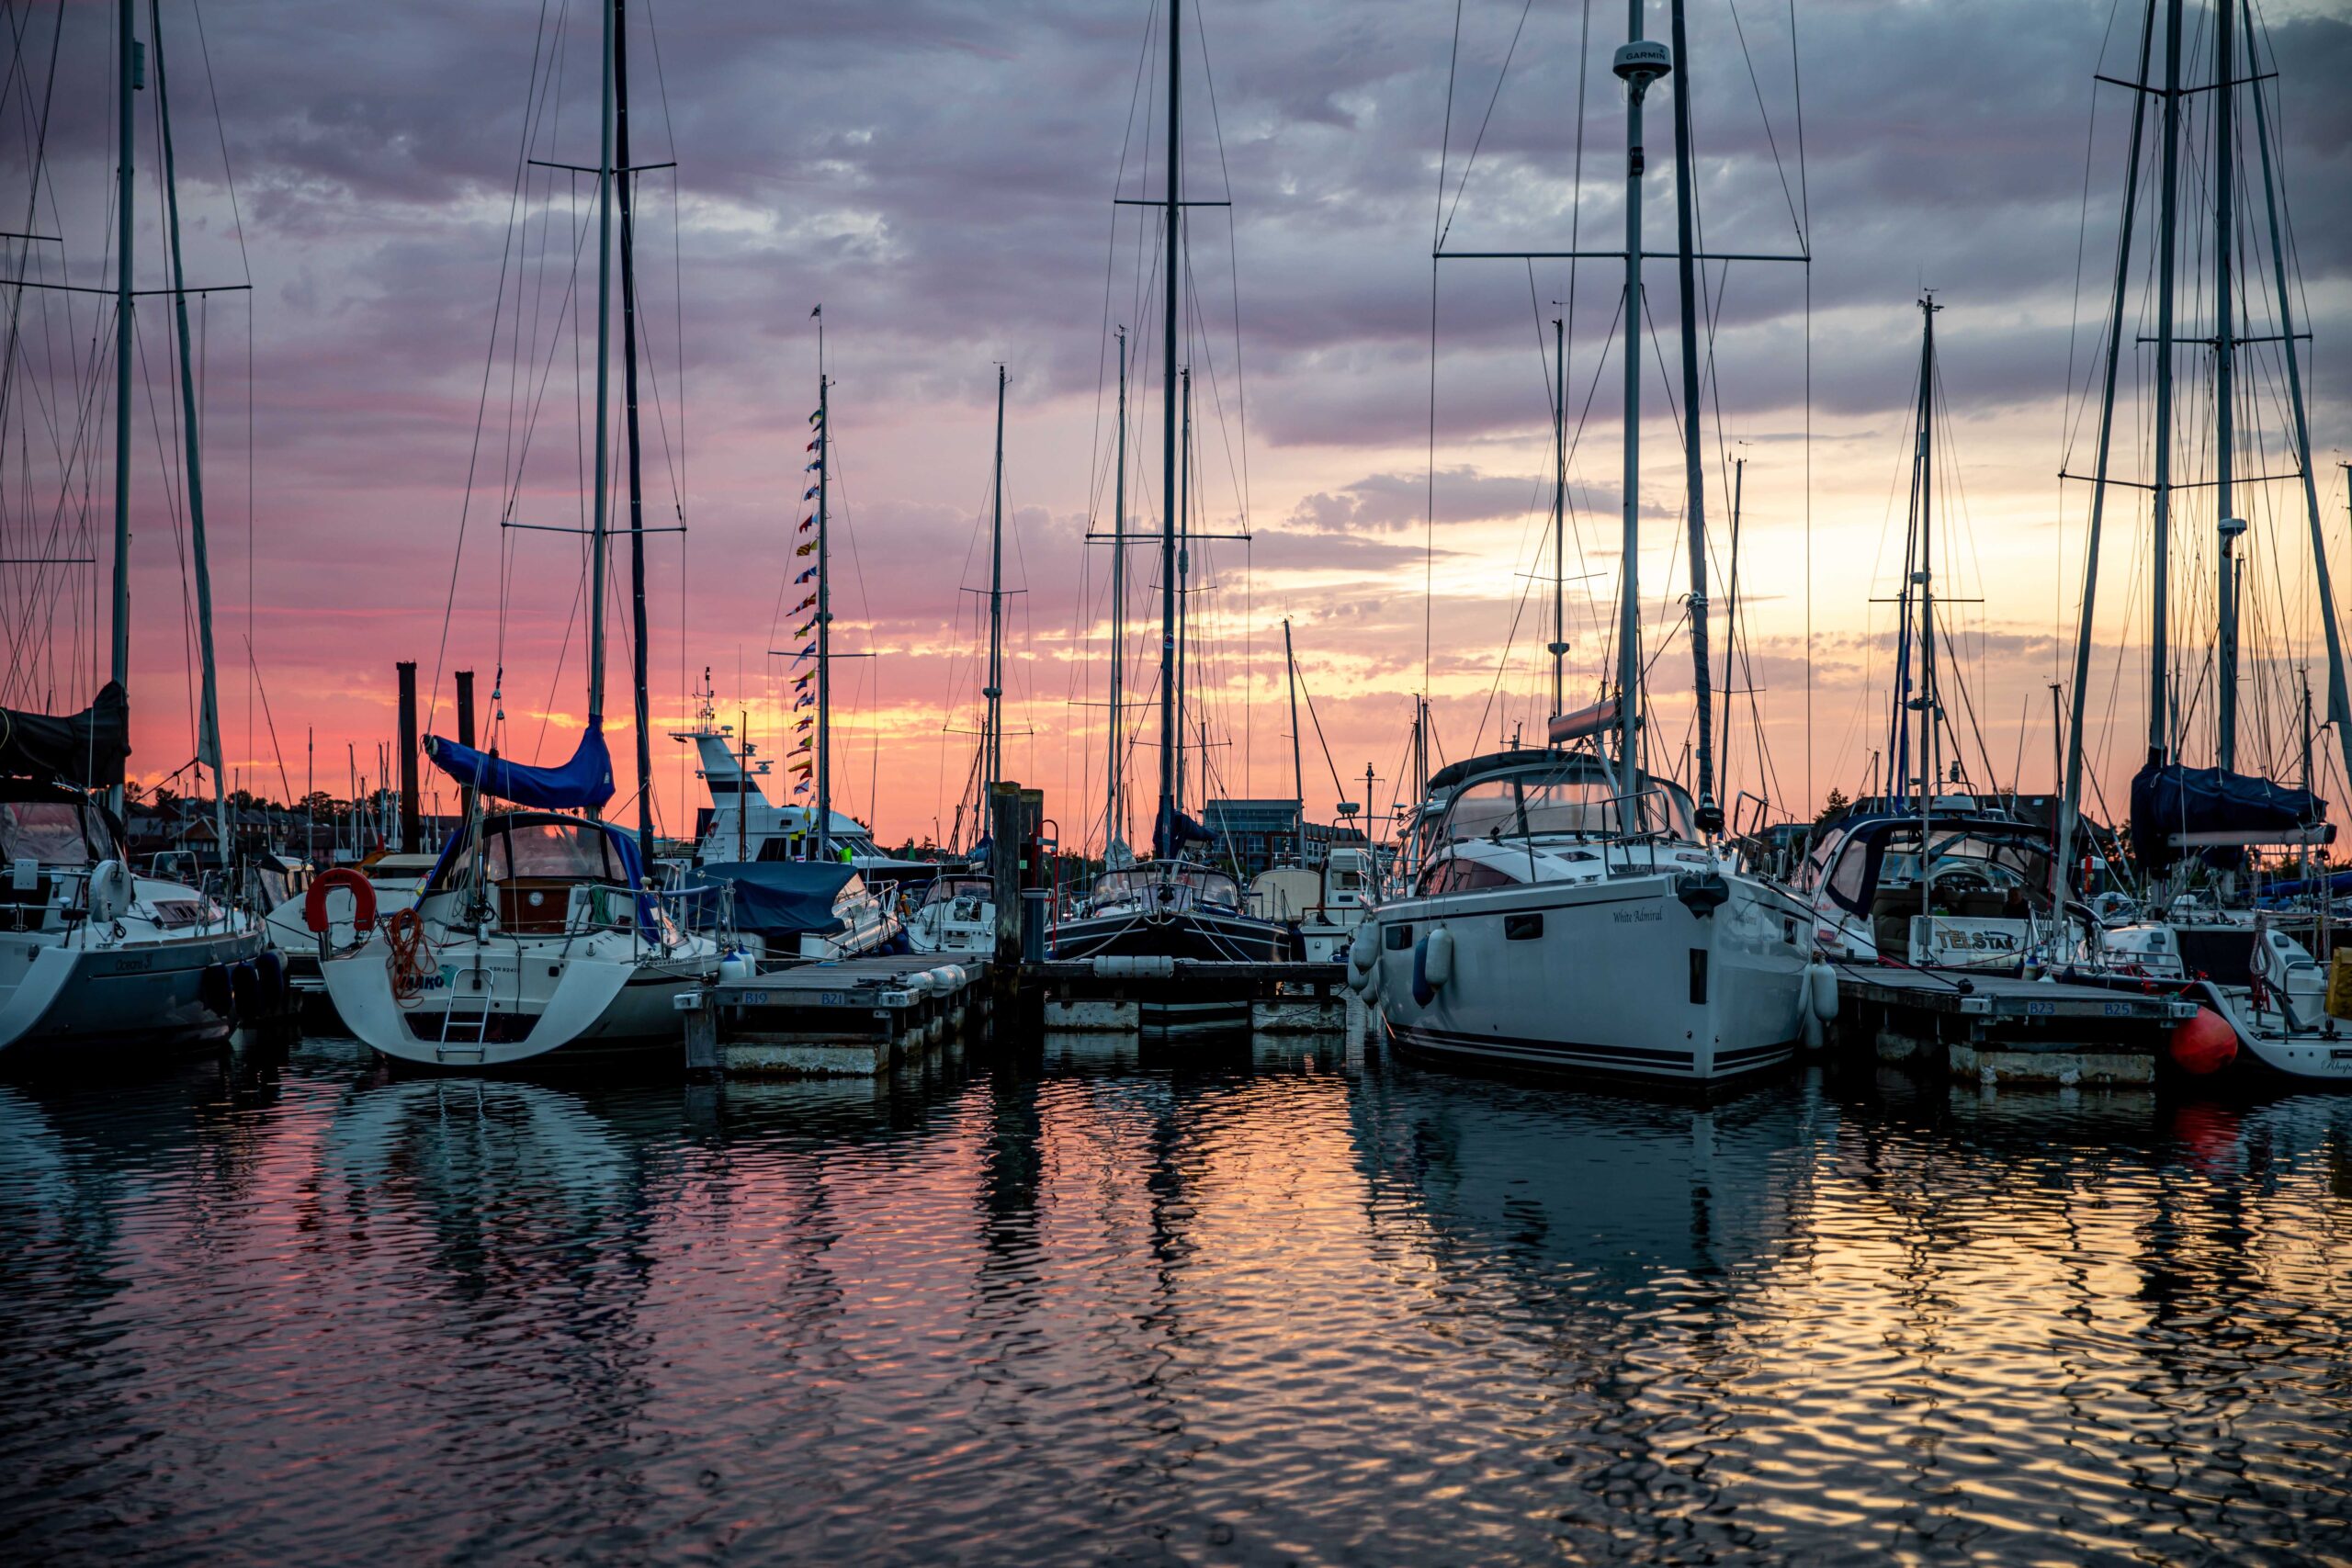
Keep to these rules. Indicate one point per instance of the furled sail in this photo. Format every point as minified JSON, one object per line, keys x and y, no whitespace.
{"x":585,"y":780}
{"x":86,"y":748}
{"x":2176,"y":810}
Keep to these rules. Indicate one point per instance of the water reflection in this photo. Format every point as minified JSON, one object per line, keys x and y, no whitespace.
{"x":1287,"y":1300}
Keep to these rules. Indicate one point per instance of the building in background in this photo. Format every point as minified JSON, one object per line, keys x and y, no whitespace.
{"x":1251,"y":836}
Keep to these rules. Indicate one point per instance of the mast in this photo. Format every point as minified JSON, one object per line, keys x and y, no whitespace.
{"x":1164,"y":833}
{"x":1731,"y":611}
{"x":824,"y":609}
{"x":207,"y":734}
{"x":1183,"y":570}
{"x":1297,"y":770}
{"x":1930,"y":701}
{"x":1639,"y":62}
{"x":2070,"y":803}
{"x":639,"y":648}
{"x":126,"y":82}
{"x":1112,"y":818}
{"x":2339,"y":706}
{"x":2228,"y":524}
{"x":2167,"y":243}
{"x":1709,"y":816}
{"x":599,"y":534}
{"x":992,"y":730}
{"x":1559,"y":647}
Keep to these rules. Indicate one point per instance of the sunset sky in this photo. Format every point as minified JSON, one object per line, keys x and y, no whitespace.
{"x":940,"y":176}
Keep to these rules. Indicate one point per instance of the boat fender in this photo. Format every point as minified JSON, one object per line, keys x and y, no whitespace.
{"x":1432,"y":964}
{"x":2204,"y":1044}
{"x":109,"y":893}
{"x":363,"y":900}
{"x":272,"y":966}
{"x":1703,"y":892}
{"x":735,"y":965}
{"x":1821,"y":991}
{"x":1365,"y":950}
{"x":214,"y":990}
{"x":245,"y":989}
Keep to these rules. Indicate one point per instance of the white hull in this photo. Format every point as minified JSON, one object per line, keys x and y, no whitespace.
{"x":1616,"y":977}
{"x":589,"y":995}
{"x":150,"y":995}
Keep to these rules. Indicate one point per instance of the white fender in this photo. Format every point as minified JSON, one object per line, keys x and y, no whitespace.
{"x":1363,"y":951}
{"x":1437,"y":966}
{"x":109,"y":892}
{"x":1821,"y":991}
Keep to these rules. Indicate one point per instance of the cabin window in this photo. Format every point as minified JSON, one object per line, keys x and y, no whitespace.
{"x":49,"y":831}
{"x":1845,"y":882}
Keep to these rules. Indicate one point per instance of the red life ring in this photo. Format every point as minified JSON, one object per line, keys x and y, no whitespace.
{"x":363,"y":900}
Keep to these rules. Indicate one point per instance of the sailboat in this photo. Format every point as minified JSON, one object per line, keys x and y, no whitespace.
{"x":1169,"y":906}
{"x":96,"y":959}
{"x":538,"y":931}
{"x":1978,"y":898}
{"x":1574,"y":912}
{"x":2200,"y":929}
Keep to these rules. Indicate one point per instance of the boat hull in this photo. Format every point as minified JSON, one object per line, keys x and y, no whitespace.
{"x":1619,"y":978}
{"x":1203,"y":934}
{"x":542,"y":1004}
{"x":72,"y":1003}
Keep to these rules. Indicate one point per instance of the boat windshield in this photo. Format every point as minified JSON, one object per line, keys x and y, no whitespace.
{"x":540,"y":850}
{"x":1141,"y":884}
{"x":1570,"y":801}
{"x":1997,"y":863}
{"x":51,"y":832}
{"x":949,"y":889}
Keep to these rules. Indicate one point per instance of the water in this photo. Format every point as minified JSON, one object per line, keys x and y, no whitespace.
{"x":1295,"y":1305}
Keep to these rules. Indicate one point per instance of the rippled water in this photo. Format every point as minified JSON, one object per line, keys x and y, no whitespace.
{"x":1284,"y":1305}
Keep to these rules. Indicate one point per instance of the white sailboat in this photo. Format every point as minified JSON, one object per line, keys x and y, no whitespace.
{"x":537,"y":933}
{"x":1572,"y":913}
{"x":2199,"y":930}
{"x":96,"y":959}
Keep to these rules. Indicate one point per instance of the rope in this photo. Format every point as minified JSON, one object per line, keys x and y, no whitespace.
{"x":410,"y":957}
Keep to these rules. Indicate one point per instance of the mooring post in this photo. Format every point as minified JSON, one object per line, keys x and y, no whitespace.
{"x":1004,"y":868}
{"x":411,"y":829}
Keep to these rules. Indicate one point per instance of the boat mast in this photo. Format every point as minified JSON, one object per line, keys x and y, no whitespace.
{"x":1183,"y":568}
{"x":1297,"y":771}
{"x":2070,"y":803}
{"x":1111,"y":818}
{"x":1559,"y":648}
{"x":640,"y":647}
{"x":207,"y":734}
{"x":2229,"y":524}
{"x":2339,"y":706}
{"x":2160,"y":737}
{"x":126,"y":82}
{"x":1731,"y":611}
{"x":1164,"y":834}
{"x":824,"y":607}
{"x":1639,"y":62}
{"x":992,"y":730}
{"x":1710,"y":816}
{"x":599,"y":537}
{"x":1924,"y":492}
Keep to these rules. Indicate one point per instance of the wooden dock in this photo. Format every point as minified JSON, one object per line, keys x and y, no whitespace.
{"x":1169,"y":997}
{"x":850,"y":1017}
{"x":2002,"y":1029}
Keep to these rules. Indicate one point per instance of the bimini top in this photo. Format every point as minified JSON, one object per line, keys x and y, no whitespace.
{"x":532,"y":845}
{"x":1546,"y":792}
{"x":581,"y":784}
{"x":85,"y":749}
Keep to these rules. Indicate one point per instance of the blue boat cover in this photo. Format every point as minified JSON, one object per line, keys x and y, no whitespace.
{"x":780,"y":898}
{"x":584,"y":782}
{"x":2167,"y":798}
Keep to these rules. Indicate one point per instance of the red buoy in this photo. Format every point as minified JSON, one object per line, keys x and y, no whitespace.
{"x":2204,"y":1044}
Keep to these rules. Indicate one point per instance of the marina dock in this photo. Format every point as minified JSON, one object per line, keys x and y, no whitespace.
{"x":2001,"y":1029}
{"x":1159,"y":996}
{"x":850,"y":1018}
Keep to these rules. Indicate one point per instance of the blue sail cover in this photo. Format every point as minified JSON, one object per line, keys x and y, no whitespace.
{"x":2167,"y":798}
{"x":780,"y":898}
{"x":584,"y":782}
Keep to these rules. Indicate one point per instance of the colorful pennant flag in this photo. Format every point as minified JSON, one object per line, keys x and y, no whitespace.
{"x":805,"y":549}
{"x":804,"y":605}
{"x":809,"y":494}
{"x":807,"y":524}
{"x":805,"y":577}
